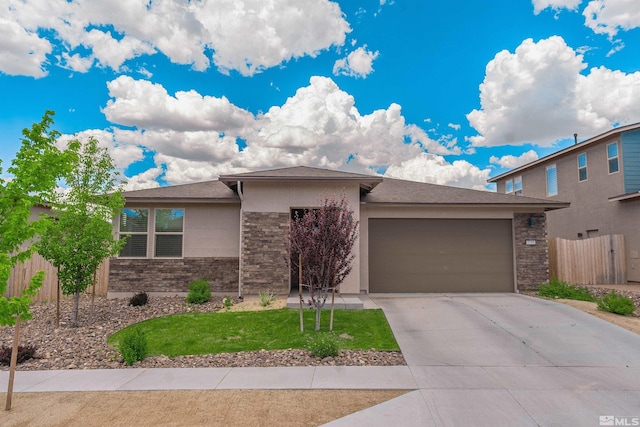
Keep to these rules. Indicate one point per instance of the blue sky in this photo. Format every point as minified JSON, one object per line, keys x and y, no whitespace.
{"x":449,"y":92}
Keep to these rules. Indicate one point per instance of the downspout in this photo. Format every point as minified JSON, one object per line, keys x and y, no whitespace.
{"x":240,"y":297}
{"x":239,"y":187}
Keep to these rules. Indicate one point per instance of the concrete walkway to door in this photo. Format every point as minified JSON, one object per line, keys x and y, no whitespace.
{"x":507,"y":359}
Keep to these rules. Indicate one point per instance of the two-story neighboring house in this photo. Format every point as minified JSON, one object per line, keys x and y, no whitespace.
{"x":600,"y":177}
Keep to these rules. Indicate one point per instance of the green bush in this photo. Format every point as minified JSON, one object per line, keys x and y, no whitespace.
{"x":266,"y":298}
{"x":133,"y":346}
{"x":139,"y":299}
{"x":199,"y":292}
{"x":25,"y":352}
{"x":323,"y":345}
{"x":615,"y":303}
{"x":558,"y":289}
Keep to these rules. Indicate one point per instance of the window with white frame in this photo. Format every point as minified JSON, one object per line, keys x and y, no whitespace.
{"x":582,"y":167}
{"x":134,"y":227}
{"x":169,"y":228}
{"x":517,"y":185}
{"x":552,"y":180}
{"x":508,"y":186}
{"x":612,"y":157}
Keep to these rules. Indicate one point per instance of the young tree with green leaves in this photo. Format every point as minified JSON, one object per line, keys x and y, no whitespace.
{"x":322,"y":240}
{"x":79,"y":236}
{"x":34,"y":174}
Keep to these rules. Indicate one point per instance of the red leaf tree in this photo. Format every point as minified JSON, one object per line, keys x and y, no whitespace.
{"x":323,"y":239}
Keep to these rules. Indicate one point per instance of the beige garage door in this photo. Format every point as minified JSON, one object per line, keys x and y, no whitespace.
{"x":440,"y":255}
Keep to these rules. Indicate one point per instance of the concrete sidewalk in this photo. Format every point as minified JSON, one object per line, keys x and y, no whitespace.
{"x":277,"y":378}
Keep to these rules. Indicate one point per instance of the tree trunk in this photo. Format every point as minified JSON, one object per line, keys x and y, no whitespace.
{"x":300,"y":290}
{"x":333,"y":299}
{"x":13,"y":363}
{"x":76,"y":303}
{"x":58,"y":300}
{"x":318,"y":308}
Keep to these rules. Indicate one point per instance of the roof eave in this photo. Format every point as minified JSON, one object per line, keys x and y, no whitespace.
{"x":566,"y":150}
{"x":178,"y":200}
{"x":545,"y":206}
{"x":623,"y":197}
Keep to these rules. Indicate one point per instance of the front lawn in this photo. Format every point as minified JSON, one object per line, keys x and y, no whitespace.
{"x":229,"y":332}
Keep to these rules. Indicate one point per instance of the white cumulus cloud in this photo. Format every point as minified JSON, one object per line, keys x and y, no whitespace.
{"x":556,"y":5}
{"x":22,"y":52}
{"x":198,"y":137}
{"x":538,"y":95}
{"x":610,"y":16}
{"x":510,"y":162}
{"x":435,"y":169}
{"x":358,"y":63}
{"x":243,"y":35}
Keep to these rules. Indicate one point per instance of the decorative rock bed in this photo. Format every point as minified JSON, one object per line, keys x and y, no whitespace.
{"x":85,"y":347}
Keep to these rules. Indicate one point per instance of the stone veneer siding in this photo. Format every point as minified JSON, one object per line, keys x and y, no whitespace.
{"x":172,"y":275}
{"x":264,"y":252}
{"x":532,"y":261}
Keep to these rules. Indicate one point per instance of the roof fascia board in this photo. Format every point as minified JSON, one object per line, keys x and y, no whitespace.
{"x":566,"y":150}
{"x":553,"y":206}
{"x":174,"y":200}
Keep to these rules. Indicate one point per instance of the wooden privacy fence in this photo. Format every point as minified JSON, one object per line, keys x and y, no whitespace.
{"x":49,"y":287}
{"x":595,"y":261}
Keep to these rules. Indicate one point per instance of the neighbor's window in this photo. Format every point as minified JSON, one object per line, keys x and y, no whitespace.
{"x":612,"y":157}
{"x":134,"y":223}
{"x":517,"y":185}
{"x":508,"y":186}
{"x":552,"y":180}
{"x":582,"y":167}
{"x":169,"y":228}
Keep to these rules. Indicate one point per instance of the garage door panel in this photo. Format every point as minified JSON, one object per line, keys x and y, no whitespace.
{"x":442,"y":263}
{"x":440,"y":255}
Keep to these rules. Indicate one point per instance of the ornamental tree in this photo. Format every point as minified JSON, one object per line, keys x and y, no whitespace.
{"x":322,"y":240}
{"x":79,"y":236}
{"x":32,"y":182}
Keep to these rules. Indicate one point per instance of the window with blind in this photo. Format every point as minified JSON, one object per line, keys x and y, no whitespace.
{"x":134,"y":227}
{"x":169,"y":228}
{"x":552,"y":180}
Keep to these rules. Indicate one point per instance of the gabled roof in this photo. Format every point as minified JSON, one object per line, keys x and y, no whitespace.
{"x":397,"y":191}
{"x":579,"y":146}
{"x":383,"y":191}
{"x":303,"y":173}
{"x":199,"y":192}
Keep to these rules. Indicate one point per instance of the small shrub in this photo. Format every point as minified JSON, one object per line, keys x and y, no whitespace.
{"x":323,"y":345}
{"x":226,"y":301}
{"x":139,"y":299}
{"x":133,"y":346}
{"x":199,"y":292}
{"x":266,"y":298}
{"x":25,"y":352}
{"x":615,"y":303}
{"x":558,"y":289}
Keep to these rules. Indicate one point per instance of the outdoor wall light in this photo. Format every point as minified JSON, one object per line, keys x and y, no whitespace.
{"x":532,"y":222}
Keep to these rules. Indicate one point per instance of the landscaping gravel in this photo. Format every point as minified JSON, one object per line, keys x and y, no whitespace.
{"x":85,"y":347}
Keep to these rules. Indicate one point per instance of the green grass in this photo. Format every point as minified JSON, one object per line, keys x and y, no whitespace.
{"x":558,"y":289}
{"x":229,"y":332}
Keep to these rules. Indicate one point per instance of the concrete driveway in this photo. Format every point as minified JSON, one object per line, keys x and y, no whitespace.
{"x":507,"y":359}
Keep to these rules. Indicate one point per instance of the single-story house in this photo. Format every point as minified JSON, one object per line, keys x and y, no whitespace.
{"x":413,"y":236}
